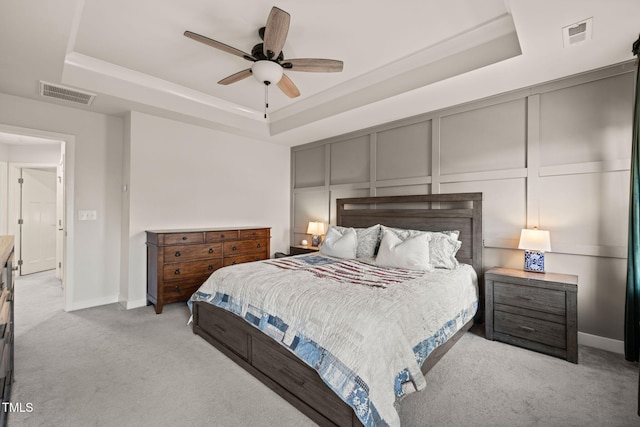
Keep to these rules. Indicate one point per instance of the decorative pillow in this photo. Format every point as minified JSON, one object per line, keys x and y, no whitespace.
{"x":443,"y":247}
{"x":411,"y":253}
{"x":340,"y":245}
{"x":368,"y":240}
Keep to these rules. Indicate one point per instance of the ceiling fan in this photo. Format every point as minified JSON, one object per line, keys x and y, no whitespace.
{"x":267,"y":57}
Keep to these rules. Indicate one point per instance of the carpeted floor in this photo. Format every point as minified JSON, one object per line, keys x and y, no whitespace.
{"x":107,"y":366}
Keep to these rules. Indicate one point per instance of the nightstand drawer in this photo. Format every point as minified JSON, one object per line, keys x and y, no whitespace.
{"x":546,"y":300}
{"x":549,"y":333}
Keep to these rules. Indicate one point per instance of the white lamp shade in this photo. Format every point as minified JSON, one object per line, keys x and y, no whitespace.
{"x":534,"y":239}
{"x":315,"y":228}
{"x":266,"y":71}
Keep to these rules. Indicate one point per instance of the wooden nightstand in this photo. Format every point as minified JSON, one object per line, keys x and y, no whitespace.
{"x":537,"y":311}
{"x":302,"y":249}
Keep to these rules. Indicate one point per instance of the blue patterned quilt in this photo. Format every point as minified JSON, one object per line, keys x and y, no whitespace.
{"x":365,"y":329}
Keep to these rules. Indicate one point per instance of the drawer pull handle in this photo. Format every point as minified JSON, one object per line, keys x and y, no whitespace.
{"x":234,"y":248}
{"x":177,"y":288}
{"x":527,"y":328}
{"x":178,"y":253}
{"x":222,"y":236}
{"x":220,"y":329}
{"x":177,"y":271}
{"x":234,"y":262}
{"x":210,"y":250}
{"x":258,"y":245}
{"x":184,"y":237}
{"x":210,"y":266}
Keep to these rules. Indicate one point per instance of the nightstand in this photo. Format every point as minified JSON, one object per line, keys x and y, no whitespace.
{"x":537,"y":311}
{"x":302,"y":249}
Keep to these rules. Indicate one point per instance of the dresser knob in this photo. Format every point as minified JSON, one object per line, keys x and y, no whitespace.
{"x":233,"y":263}
{"x":178,"y":253}
{"x":177,"y":288}
{"x":184,"y":237}
{"x":177,"y":271}
{"x":210,"y":250}
{"x":258,"y":245}
{"x":210,"y":266}
{"x":222,"y":236}
{"x":234,"y":248}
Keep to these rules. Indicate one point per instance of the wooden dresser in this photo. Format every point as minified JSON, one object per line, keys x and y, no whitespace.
{"x":537,"y":311}
{"x":6,"y":323}
{"x":179,"y":261}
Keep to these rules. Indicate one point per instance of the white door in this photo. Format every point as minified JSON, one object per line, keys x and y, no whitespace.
{"x":38,"y":230}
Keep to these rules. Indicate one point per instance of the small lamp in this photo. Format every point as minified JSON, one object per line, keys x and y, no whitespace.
{"x":534,"y":242}
{"x":315,"y":229}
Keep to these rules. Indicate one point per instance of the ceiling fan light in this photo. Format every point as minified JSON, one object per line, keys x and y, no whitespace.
{"x":267,"y":71}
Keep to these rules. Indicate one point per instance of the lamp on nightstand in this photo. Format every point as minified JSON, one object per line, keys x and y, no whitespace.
{"x":534,"y":242}
{"x":316,"y":229}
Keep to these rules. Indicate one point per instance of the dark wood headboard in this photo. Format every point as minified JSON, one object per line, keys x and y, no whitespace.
{"x":426,"y":212}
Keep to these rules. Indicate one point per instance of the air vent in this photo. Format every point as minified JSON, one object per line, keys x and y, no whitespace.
{"x":577,"y":33}
{"x":66,"y":93}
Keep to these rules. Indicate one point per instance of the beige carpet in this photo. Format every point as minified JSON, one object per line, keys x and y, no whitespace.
{"x":107,"y":366}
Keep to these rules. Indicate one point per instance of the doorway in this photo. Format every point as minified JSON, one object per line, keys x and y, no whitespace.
{"x":40,"y":157}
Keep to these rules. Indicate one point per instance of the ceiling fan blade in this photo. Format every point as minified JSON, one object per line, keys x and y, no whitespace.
{"x":286,"y":85}
{"x":235,"y":77}
{"x":275,"y":32}
{"x":314,"y":65}
{"x":219,"y":45}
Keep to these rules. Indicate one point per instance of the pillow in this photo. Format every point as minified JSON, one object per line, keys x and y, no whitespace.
{"x":443,"y":249}
{"x":368,"y":240}
{"x":411,"y":253}
{"x":340,"y":245}
{"x":443,"y":246}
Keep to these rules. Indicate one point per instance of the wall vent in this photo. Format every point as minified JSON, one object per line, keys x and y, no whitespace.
{"x":51,"y":90}
{"x":577,"y":33}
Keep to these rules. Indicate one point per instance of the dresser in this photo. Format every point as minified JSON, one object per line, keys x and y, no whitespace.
{"x":6,"y":322}
{"x":537,"y":311}
{"x":179,"y":261}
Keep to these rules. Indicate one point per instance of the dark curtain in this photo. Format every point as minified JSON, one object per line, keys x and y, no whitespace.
{"x":632,"y":305}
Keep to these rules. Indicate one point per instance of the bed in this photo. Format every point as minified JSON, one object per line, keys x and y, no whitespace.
{"x":266,"y":348}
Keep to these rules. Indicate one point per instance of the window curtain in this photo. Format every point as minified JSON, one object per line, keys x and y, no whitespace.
{"x":632,"y":305}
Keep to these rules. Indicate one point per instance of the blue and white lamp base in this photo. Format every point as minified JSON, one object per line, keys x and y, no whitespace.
{"x":534,"y":261}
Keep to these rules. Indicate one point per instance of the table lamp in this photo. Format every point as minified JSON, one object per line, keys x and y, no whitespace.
{"x":316,"y":229}
{"x":534,"y":242}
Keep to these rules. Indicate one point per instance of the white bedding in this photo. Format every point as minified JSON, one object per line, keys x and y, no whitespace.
{"x":380,"y":331}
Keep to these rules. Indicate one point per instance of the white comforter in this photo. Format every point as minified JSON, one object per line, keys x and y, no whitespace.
{"x":380,"y":331}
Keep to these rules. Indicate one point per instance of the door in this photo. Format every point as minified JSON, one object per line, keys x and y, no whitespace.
{"x":38,"y":220}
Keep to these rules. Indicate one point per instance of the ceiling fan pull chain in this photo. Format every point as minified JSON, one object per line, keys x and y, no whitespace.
{"x":266,"y":98}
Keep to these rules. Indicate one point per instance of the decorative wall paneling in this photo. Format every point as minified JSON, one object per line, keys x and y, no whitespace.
{"x":555,"y":155}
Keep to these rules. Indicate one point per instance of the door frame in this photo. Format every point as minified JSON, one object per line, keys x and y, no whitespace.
{"x":68,"y":148}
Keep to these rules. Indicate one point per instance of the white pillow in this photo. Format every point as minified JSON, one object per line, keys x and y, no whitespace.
{"x":411,"y":253}
{"x":340,"y":245}
{"x":368,"y":240}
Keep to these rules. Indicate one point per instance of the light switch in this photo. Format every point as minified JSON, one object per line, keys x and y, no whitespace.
{"x":87,"y":215}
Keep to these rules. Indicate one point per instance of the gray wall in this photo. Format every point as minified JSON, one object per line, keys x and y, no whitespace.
{"x":555,"y":156}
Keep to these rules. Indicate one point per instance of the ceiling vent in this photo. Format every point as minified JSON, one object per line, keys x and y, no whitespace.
{"x":50,"y":90}
{"x":577,"y":33}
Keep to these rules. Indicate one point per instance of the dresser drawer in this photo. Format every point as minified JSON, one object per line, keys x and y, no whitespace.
{"x":183,"y":238}
{"x":549,"y":333}
{"x":245,"y":247}
{"x":180,"y":291}
{"x":240,"y":259}
{"x":229,"y":329}
{"x":254,"y":234}
{"x":221,"y":236}
{"x":191,"y":252}
{"x":184,"y":270}
{"x":541,"y":299}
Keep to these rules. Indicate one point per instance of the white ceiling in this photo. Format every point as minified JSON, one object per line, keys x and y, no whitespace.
{"x":400,"y":58}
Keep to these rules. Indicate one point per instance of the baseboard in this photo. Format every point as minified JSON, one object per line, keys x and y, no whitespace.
{"x":134,"y":304}
{"x":602,"y":343}
{"x":92,"y":303}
